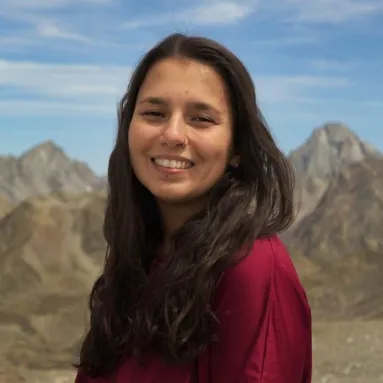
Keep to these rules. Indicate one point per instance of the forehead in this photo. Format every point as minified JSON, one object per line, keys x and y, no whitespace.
{"x":177,"y":79}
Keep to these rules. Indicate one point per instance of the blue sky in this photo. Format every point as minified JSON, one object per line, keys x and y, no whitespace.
{"x":64,"y":64}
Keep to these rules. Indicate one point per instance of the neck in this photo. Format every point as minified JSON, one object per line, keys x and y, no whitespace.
{"x":174,"y":216}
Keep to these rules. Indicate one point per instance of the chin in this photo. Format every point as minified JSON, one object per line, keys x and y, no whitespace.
{"x":173,"y":198}
{"x":177,"y":197}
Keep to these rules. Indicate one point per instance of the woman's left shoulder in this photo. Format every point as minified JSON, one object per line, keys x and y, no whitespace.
{"x":267,"y":258}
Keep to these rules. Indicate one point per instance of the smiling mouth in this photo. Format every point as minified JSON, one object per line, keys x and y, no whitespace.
{"x":172,"y":164}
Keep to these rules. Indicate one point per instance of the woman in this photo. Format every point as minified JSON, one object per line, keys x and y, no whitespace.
{"x":196,"y":287}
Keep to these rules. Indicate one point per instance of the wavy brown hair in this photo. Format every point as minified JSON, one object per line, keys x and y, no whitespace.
{"x":170,"y":312}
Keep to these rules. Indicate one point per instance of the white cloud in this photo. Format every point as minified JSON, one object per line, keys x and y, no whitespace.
{"x":288,"y":40}
{"x":294,"y":89}
{"x":332,"y":65}
{"x":327,"y":11}
{"x":45,"y":20}
{"x":220,"y":12}
{"x":53,"y":108}
{"x":84,"y":84}
{"x":57,"y":89}
{"x":51,"y":30}
{"x":216,"y":12}
{"x":45,"y":4}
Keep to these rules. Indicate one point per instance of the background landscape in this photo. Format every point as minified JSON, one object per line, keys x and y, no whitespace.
{"x":64,"y":65}
{"x":52,"y":249}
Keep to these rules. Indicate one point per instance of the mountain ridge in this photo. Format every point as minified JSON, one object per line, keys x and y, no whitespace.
{"x":349,"y":215}
{"x":52,"y":248}
{"x":44,"y":169}
{"x":321,"y":157}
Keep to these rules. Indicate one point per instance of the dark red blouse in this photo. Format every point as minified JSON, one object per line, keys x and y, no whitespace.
{"x":265,"y":328}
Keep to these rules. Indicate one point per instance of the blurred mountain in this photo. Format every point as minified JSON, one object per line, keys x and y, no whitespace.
{"x":44,"y":169}
{"x":5,"y":206}
{"x":52,"y":247}
{"x":51,"y":251}
{"x":348,"y":218}
{"x":337,"y":241}
{"x":319,"y":160}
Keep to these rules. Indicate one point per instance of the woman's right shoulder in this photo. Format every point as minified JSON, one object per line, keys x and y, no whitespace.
{"x":256,"y":270}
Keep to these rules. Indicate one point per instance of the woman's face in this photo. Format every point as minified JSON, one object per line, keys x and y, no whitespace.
{"x":181,"y":133}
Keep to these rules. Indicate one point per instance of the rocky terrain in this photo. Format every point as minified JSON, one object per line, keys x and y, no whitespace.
{"x":43,"y":169}
{"x":319,"y":160}
{"x":348,"y":217}
{"x":52,"y":249}
{"x":5,"y":206}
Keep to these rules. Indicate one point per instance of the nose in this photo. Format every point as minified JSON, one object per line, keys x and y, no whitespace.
{"x":174,"y":132}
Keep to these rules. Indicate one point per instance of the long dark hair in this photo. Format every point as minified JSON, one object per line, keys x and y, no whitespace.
{"x":133,"y":311}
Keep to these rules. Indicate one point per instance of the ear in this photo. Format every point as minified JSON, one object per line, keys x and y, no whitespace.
{"x":235,"y":161}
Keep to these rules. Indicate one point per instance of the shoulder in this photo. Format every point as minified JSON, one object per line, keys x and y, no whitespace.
{"x":264,"y":325}
{"x":266,"y":265}
{"x":266,"y":257}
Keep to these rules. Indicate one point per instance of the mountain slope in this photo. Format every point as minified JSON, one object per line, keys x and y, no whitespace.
{"x":43,"y":169}
{"x":52,"y":248}
{"x":349,"y":217}
{"x":343,"y":238}
{"x":319,"y":160}
{"x":5,"y":206}
{"x":51,"y":251}
{"x":46,"y":239}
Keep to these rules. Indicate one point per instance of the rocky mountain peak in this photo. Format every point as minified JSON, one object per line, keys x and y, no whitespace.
{"x":319,"y":160}
{"x":45,"y":147}
{"x":335,"y":131}
{"x":44,"y":154}
{"x":348,"y":217}
{"x":44,"y":169}
{"x":330,"y":147}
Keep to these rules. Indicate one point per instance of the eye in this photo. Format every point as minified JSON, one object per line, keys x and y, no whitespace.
{"x":153,"y":114}
{"x":203,"y":119}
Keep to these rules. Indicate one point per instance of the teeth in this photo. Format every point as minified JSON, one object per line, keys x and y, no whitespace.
{"x":173,"y":164}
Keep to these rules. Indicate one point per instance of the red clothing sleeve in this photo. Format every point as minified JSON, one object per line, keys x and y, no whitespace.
{"x":265,"y":321}
{"x":264,"y":330}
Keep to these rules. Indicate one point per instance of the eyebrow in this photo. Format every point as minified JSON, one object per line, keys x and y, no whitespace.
{"x":203,"y":106}
{"x":153,"y":100}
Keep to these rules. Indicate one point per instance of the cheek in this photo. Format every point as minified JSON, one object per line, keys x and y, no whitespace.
{"x":132,"y":134}
{"x":130,"y":140}
{"x":134,"y":144}
{"x":220,"y":152}
{"x":218,"y":160}
{"x":137,"y":138}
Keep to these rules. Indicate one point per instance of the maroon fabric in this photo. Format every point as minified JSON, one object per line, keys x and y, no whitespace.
{"x":264,"y":331}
